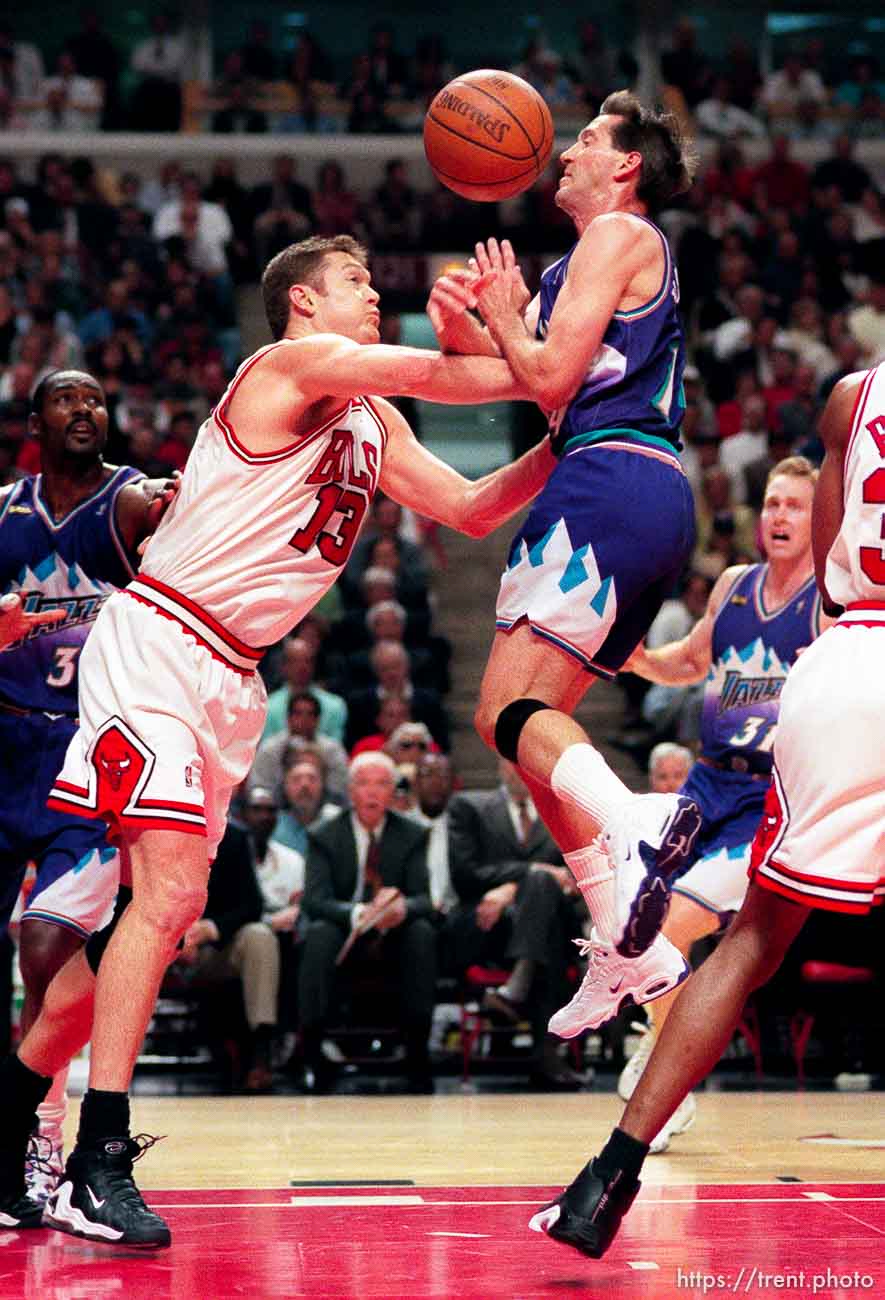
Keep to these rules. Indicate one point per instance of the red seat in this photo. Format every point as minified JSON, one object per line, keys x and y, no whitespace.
{"x":473,"y":1019}
{"x":822,"y":975}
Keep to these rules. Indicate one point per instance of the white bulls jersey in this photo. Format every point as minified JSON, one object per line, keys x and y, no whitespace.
{"x":856,"y":562}
{"x":256,"y":539}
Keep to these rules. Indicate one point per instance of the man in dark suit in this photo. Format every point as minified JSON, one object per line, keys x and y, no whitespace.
{"x":366,"y":881}
{"x":518,"y":906}
{"x":390,"y":665}
{"x":282,"y":209}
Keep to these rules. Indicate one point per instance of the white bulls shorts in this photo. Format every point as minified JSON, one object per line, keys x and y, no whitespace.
{"x":171,"y":711}
{"x":821,"y":840}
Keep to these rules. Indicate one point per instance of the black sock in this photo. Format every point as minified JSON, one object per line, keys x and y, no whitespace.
{"x":103,"y":1115}
{"x":21,"y":1089}
{"x":622,"y":1151}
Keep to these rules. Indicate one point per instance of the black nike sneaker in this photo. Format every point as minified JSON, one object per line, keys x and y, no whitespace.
{"x":97,"y":1198}
{"x":18,"y":1209}
{"x":18,"y":1212}
{"x":588,"y":1213}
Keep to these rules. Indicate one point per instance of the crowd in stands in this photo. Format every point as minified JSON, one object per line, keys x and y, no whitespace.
{"x":89,"y":81}
{"x":783,"y":292}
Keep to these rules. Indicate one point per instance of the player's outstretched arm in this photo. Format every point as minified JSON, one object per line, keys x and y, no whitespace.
{"x":688,"y":660}
{"x":329,"y":365}
{"x":609,"y":254}
{"x":416,"y":478}
{"x":141,"y":506}
{"x":828,"y":506}
{"x":15,"y":623}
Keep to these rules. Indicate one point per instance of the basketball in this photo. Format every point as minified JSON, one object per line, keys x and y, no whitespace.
{"x":488,"y":135}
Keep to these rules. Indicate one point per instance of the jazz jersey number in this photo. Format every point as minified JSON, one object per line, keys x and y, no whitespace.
{"x":64,"y":666}
{"x":752,"y":730}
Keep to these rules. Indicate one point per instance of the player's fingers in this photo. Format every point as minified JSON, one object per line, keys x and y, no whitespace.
{"x":47,"y":616}
{"x":452,"y":301}
{"x":463,"y":290}
{"x":463,"y":276}
{"x":483,"y":264}
{"x":495,"y":254}
{"x":507,"y":255}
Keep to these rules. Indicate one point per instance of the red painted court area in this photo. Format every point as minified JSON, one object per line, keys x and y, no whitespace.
{"x":471,"y":1243}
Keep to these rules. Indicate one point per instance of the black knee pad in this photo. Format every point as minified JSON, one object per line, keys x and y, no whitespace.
{"x":97,"y":942}
{"x":510,"y":723}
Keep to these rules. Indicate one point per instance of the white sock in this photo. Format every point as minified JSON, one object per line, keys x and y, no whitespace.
{"x":582,"y":776}
{"x":51,"y":1112}
{"x":595,"y":878}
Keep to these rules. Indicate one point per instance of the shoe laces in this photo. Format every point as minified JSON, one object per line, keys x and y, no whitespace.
{"x":38,"y":1157}
{"x":144,"y":1142}
{"x":596,"y":953}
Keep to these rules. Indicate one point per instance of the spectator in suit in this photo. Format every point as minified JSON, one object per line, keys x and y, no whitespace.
{"x":259,"y":60}
{"x":386,"y":522}
{"x":231,"y":940}
{"x":518,"y":906}
{"x":376,"y":585}
{"x":305,"y":804}
{"x":275,"y":754}
{"x":389,"y":661}
{"x":161,"y":63}
{"x":433,"y":790}
{"x":280,"y":872}
{"x":299,"y":666}
{"x":282,"y":208}
{"x":367,"y":873}
{"x":387,"y":620}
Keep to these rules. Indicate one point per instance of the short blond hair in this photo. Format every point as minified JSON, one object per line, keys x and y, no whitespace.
{"x":796,"y":467}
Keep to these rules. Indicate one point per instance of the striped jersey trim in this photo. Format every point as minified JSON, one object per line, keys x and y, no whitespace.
{"x":644,"y":443}
{"x":834,"y":896}
{"x":865,"y":613}
{"x":504,"y":625}
{"x":210,"y":633}
{"x":857,"y":415}
{"x":638,"y":312}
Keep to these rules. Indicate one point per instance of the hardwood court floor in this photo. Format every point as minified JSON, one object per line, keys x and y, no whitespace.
{"x":406,"y":1198}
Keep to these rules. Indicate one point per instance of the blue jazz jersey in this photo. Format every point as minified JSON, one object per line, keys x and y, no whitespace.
{"x":634,"y":384}
{"x":753,"y":649}
{"x":73,"y":564}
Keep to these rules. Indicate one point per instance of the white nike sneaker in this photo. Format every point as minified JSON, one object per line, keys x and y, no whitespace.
{"x":649,"y":839}
{"x":630,"y":1075}
{"x":611,"y":981}
{"x":44,"y":1165}
{"x":679,"y":1122}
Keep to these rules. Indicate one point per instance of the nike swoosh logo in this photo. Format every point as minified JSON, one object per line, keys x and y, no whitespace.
{"x":94,"y":1199}
{"x":613,"y":988}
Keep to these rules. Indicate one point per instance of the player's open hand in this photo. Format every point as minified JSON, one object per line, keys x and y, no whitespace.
{"x":450,"y":297}
{"x":15,"y":623}
{"x":500,"y":288}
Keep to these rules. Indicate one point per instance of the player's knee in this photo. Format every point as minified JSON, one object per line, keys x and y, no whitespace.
{"x":507,"y":726}
{"x":174,"y":906}
{"x":43,"y":950}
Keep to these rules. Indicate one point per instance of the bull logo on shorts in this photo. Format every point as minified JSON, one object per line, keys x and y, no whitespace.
{"x":118,"y":765}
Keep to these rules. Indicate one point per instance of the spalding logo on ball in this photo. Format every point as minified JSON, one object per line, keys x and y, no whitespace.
{"x":488,"y":135}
